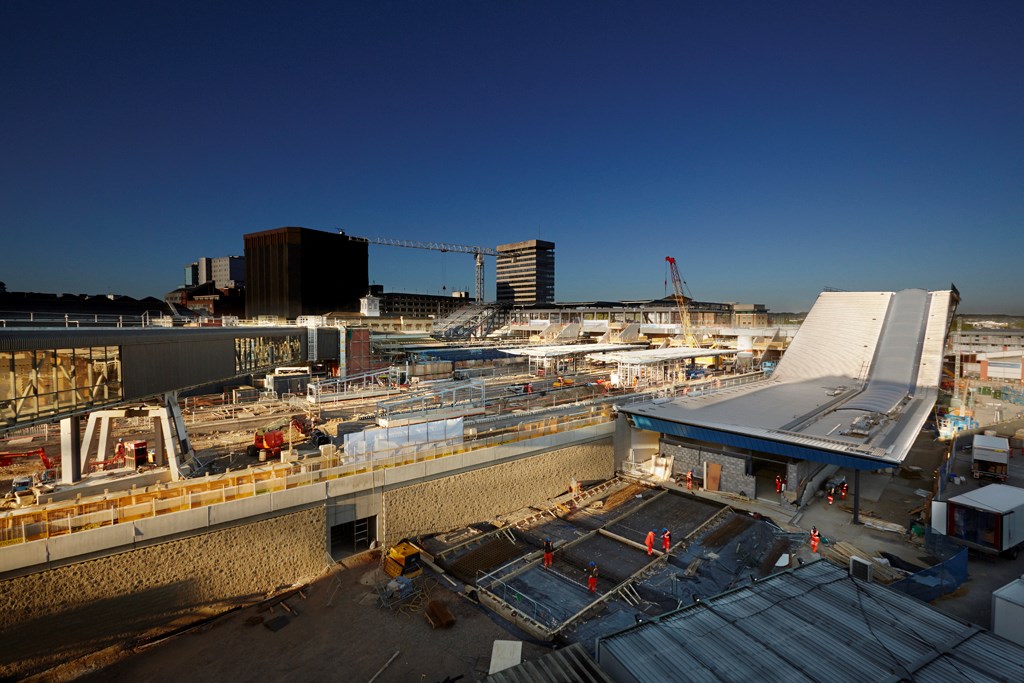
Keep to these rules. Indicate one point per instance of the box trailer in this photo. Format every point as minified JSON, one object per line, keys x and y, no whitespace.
{"x":989,"y":519}
{"x":990,"y":457}
{"x":1008,"y":611}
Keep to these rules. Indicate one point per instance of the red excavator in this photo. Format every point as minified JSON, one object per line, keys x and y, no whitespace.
{"x":13,"y":458}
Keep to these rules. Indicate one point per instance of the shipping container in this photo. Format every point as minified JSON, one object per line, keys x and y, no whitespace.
{"x":989,"y":519}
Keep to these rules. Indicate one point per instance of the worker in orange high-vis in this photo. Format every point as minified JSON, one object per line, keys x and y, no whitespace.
{"x":689,"y":480}
{"x":549,"y":552}
{"x":666,"y":539}
{"x":842,"y":491}
{"x":592,"y":578}
{"x":831,"y":494}
{"x":650,"y":542}
{"x":815,"y":539}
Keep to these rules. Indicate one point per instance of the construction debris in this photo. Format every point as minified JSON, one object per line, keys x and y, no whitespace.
{"x":438,"y":615}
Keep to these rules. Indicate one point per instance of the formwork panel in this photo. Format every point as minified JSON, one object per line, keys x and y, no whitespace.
{"x":548,"y":596}
{"x":616,"y":561}
{"x":680,"y":513}
{"x":490,"y":555}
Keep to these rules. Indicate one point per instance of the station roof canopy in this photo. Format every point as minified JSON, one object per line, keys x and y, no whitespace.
{"x":564,"y":350}
{"x":654,"y":356}
{"x":854,"y":389}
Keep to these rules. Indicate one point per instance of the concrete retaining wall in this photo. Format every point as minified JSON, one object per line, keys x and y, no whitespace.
{"x":122,"y":595}
{"x":478,"y":495}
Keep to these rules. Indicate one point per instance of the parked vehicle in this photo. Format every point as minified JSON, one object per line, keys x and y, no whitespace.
{"x":268,"y":440}
{"x":318,"y":438}
{"x":990,"y":457}
{"x":989,"y":519}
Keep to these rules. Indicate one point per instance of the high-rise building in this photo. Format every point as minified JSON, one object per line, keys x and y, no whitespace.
{"x":297,"y":271}
{"x":225,"y":272}
{"x":192,"y":274}
{"x":228,"y":271}
{"x":525,"y":273}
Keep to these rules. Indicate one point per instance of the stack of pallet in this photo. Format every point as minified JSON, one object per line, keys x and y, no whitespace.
{"x":840,"y":554}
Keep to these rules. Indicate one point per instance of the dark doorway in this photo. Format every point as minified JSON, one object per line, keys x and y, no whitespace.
{"x":353,"y":537}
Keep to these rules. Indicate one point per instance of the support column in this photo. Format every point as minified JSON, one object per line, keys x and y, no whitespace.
{"x":177,"y":442}
{"x":159,"y":454}
{"x":104,"y":445}
{"x":70,"y":450}
{"x":856,"y":496}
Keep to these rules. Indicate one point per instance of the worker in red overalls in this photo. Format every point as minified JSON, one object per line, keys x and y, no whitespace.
{"x":666,"y":540}
{"x":592,"y":578}
{"x":778,"y":484}
{"x":549,"y":552}
{"x":689,"y":480}
{"x":815,"y":539}
{"x":831,"y":494}
{"x":650,"y":542}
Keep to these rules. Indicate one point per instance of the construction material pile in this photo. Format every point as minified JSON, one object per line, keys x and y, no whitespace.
{"x":841,"y":552}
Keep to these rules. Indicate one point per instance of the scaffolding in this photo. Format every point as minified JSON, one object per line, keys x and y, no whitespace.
{"x":457,"y":398}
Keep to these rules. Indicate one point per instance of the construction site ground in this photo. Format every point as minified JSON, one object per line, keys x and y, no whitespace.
{"x":337,"y":629}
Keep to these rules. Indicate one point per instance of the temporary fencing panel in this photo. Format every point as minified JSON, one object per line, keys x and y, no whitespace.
{"x":936,"y":581}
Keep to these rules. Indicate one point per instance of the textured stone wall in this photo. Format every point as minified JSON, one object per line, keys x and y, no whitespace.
{"x":482,"y":494}
{"x":734,"y":468}
{"x":684,"y":459}
{"x":734,"y":473}
{"x":45,"y":616}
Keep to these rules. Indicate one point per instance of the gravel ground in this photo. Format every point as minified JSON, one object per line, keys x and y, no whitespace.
{"x":338,"y":632}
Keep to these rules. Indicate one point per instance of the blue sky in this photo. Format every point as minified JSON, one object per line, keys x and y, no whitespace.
{"x":772,"y":148}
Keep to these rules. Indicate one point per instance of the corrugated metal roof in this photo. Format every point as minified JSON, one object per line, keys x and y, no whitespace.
{"x":812,"y":623}
{"x":568,"y":665}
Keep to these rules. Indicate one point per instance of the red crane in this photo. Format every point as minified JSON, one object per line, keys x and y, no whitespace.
{"x":684,"y":316}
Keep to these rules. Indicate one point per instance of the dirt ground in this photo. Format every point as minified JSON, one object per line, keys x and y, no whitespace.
{"x":337,"y":632}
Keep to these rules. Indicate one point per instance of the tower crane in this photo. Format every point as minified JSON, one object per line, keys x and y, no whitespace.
{"x":478,"y":253}
{"x":684,"y":315}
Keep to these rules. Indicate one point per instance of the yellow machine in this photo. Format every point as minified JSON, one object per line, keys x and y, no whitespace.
{"x":403,"y":559}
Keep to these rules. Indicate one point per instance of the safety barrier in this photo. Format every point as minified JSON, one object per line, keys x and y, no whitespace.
{"x":936,"y":581}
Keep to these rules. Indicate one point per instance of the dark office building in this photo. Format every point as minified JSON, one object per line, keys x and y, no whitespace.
{"x":526,"y":273}
{"x":297,"y":271}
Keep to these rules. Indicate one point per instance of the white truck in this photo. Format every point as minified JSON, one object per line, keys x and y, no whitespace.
{"x":989,"y":519}
{"x":990,"y":457}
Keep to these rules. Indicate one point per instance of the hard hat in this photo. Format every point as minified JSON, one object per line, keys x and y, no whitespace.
{"x":664,"y":530}
{"x":547,"y":539}
{"x":591,"y":564}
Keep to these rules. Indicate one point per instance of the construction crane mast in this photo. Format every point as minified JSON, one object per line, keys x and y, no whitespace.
{"x":684,"y":315}
{"x":478,"y":253}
